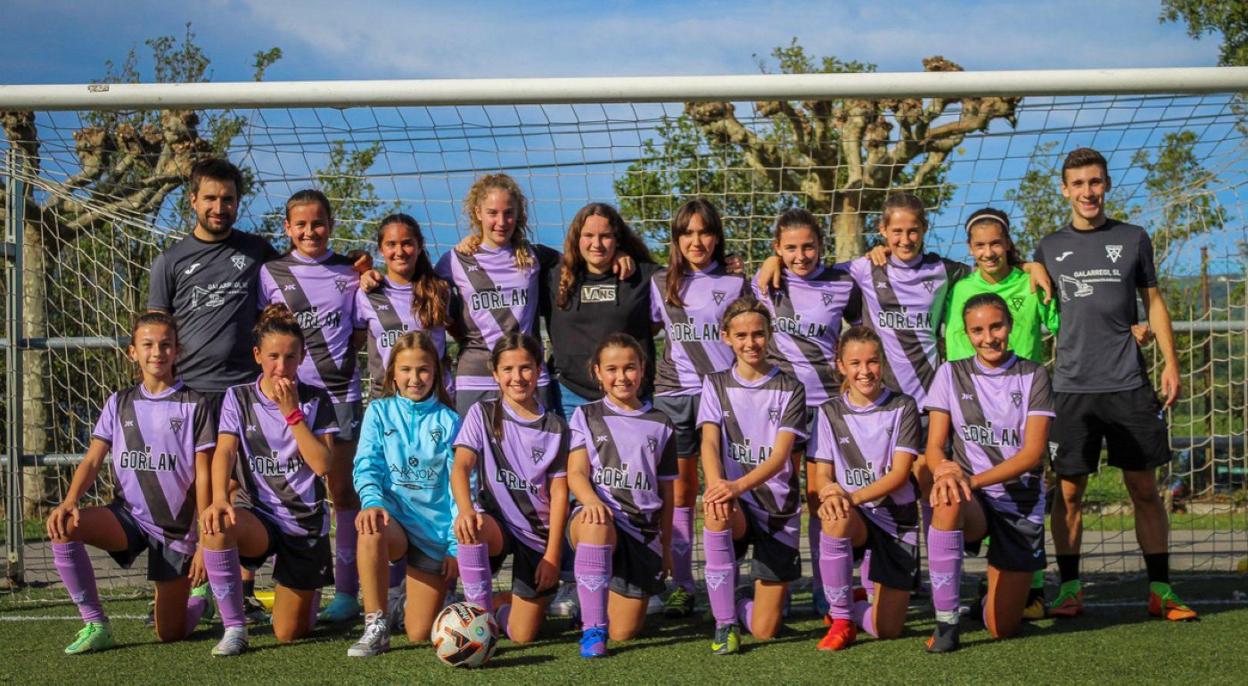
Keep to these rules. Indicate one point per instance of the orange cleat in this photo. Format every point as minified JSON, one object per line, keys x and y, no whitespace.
{"x":841,"y":634}
{"x":1162,"y":602}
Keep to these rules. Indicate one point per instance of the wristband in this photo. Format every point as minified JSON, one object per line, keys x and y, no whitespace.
{"x":294,"y":417}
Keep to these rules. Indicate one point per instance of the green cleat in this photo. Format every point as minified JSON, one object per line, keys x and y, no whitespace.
{"x":205,"y":592}
{"x":1069,"y":600}
{"x":727,"y":640}
{"x":93,"y":637}
{"x":679,"y":604}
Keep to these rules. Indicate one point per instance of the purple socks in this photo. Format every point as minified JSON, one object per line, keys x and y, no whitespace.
{"x":593,"y":576}
{"x":745,"y":614}
{"x":864,"y":617}
{"x":74,"y":566}
{"x":474,"y":572}
{"x":944,"y":561}
{"x":836,"y":563}
{"x":195,"y":608}
{"x":682,"y":548}
{"x":225,"y":576}
{"x":721,"y":575}
{"x":346,"y":575}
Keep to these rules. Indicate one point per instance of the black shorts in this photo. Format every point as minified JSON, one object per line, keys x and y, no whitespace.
{"x":523,"y":564}
{"x":1016,"y":543}
{"x":302,"y":563}
{"x":636,"y":570}
{"x":1132,"y":425}
{"x":772,"y":560}
{"x":418,"y":560}
{"x":163,"y":563}
{"x":682,"y":410}
{"x":349,"y":414}
{"x":894,"y":563}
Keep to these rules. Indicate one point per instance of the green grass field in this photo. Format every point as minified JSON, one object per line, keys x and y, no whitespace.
{"x":1116,"y":642}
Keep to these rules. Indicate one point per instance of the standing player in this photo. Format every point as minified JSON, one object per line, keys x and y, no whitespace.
{"x":281,"y":430}
{"x":1102,"y":385}
{"x":756,"y":415}
{"x":864,"y":445}
{"x":319,"y":287}
{"x":807,"y":310}
{"x":995,"y":408}
{"x":687,"y":300}
{"x":621,"y":469}
{"x":520,"y":451}
{"x":158,"y":434}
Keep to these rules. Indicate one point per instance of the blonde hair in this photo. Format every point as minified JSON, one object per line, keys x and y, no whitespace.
{"x":476,"y":195}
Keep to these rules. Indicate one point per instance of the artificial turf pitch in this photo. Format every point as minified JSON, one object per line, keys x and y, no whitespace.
{"x":1114,"y":642}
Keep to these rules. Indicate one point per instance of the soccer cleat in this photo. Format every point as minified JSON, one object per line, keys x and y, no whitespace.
{"x":205,"y":592}
{"x":944,"y":639}
{"x":150,"y":619}
{"x":819,"y":602}
{"x":566,"y":603}
{"x":1162,"y":602}
{"x":254,"y":611}
{"x":727,"y":640}
{"x":1034,"y":609}
{"x":234,"y":642}
{"x":679,"y":604}
{"x":654,"y":606}
{"x":840,"y":635}
{"x":95,"y":636}
{"x":376,"y":638}
{"x":976,"y":611}
{"x":343,"y":608}
{"x":396,"y":609}
{"x":1069,"y":600}
{"x":594,"y":642}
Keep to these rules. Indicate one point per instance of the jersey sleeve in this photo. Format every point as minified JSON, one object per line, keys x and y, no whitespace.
{"x":957,"y":345}
{"x":359,"y":319}
{"x":709,"y":411}
{"x":443,"y":267}
{"x":559,"y":466}
{"x":267,"y":252}
{"x":793,"y":417}
{"x":656,"y":303}
{"x":367,"y":472}
{"x":1038,"y":256}
{"x":853,"y":308}
{"x":161,"y":287}
{"x":268,"y":292}
{"x":667,"y":469}
{"x":1146,"y":268}
{"x":547,"y":258}
{"x":108,"y":418}
{"x":579,"y":429}
{"x":822,"y":442}
{"x":938,"y":395}
{"x":324,"y":421}
{"x":909,"y":431}
{"x":471,"y":434}
{"x":231,"y":421}
{"x":1050,"y":313}
{"x":203,"y":428}
{"x":1041,"y":400}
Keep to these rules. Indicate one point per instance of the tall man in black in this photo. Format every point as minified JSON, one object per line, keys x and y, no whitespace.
{"x":1101,"y":384}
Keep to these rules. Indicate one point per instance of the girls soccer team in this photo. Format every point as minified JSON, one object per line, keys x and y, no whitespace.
{"x":440,"y":489}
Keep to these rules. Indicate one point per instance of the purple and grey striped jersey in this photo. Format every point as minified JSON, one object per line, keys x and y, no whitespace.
{"x":387,"y":314}
{"x":630,"y":452}
{"x":989,"y":410}
{"x":280,"y":483}
{"x":806,"y":315}
{"x":693,"y":348}
{"x":860,"y":443}
{"x":514,"y":473}
{"x":749,"y":417}
{"x":905,"y":304}
{"x":153,"y":440}
{"x":321,"y":294}
{"x":497,"y":299}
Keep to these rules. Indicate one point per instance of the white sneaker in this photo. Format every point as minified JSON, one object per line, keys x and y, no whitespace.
{"x":376,"y":638}
{"x":566,"y":603}
{"x":654,"y":606}
{"x":234,"y":642}
{"x":396,"y":609}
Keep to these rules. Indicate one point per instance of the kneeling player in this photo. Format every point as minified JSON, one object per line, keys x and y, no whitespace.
{"x":867,"y":439}
{"x":998,"y":407}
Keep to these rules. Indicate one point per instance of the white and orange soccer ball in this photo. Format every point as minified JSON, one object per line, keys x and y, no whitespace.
{"x":464,"y":635}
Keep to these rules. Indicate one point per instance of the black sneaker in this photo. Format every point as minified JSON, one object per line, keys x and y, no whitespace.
{"x":254,"y":611}
{"x":944,"y":639}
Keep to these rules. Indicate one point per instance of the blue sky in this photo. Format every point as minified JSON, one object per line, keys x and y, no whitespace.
{"x":57,"y":41}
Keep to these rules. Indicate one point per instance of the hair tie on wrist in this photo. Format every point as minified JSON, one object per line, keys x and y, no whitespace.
{"x":294,"y":417}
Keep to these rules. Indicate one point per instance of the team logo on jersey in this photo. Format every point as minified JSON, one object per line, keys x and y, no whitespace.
{"x":383,"y":308}
{"x":240,"y":262}
{"x":1073,"y":288}
{"x":828,"y":299}
{"x":889,"y":431}
{"x":538,"y":454}
{"x":473,"y":268}
{"x":968,"y":396}
{"x":719,"y":297}
{"x":929,"y":285}
{"x":129,"y":424}
{"x":436,"y":434}
{"x":773,"y":414}
{"x":389,"y":432}
{"x":1113,"y":252}
{"x":290,"y":287}
{"x":191,"y":269}
{"x":881,"y":285}
{"x":653,"y":444}
{"x":601,"y":438}
{"x":1016,"y":302}
{"x":413,"y":461}
{"x":175,"y":424}
{"x":341,"y":284}
{"x":251,"y":428}
{"x":206,"y":297}
{"x":1016,"y":397}
{"x":842,"y":440}
{"x":1063,"y":256}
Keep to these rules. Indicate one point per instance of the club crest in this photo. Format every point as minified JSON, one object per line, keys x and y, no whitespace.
{"x":719,"y":297}
{"x":1016,"y":397}
{"x":538,"y":454}
{"x":1113,"y":252}
{"x":240,"y":262}
{"x":1016,"y":302}
{"x":653,"y":444}
{"x":175,"y":424}
{"x":889,"y":431}
{"x":413,"y":461}
{"x":436,"y":434}
{"x":773,"y":414}
{"x":828,"y":299}
{"x":929,"y":286}
{"x":341,"y":284}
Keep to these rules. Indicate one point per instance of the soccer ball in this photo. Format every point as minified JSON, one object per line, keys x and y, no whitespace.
{"x":464,"y":635}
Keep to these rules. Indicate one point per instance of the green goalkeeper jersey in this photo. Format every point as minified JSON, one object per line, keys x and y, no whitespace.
{"x":1027,"y":309}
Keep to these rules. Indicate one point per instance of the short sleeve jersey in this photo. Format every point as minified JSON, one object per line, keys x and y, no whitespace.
{"x":515,"y":472}
{"x":211,"y":290}
{"x":693,"y":347}
{"x":988,"y":409}
{"x":386,"y":312}
{"x":280,"y":483}
{"x":630,"y":452}
{"x":321,"y":294}
{"x":749,"y":416}
{"x":1097,"y":273}
{"x":905,"y":304}
{"x":152,"y":441}
{"x":806,"y":317}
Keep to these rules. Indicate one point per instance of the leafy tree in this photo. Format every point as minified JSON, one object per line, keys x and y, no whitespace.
{"x":1227,"y":18}
{"x":837,"y":157}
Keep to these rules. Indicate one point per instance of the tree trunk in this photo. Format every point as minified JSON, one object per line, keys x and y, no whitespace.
{"x":34,"y":367}
{"x":847,"y":226}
